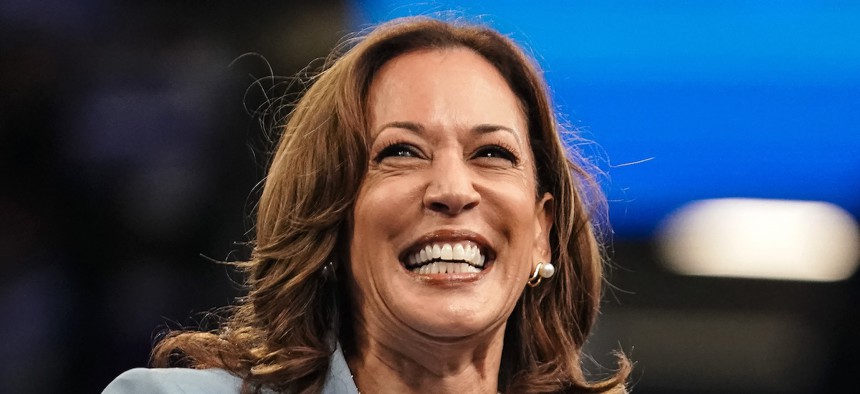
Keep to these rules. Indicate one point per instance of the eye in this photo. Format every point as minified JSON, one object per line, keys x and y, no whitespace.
{"x":496,"y":152}
{"x":397,"y":150}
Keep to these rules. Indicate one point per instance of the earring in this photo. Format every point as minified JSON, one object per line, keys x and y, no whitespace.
{"x":328,"y":271}
{"x":543,"y":270}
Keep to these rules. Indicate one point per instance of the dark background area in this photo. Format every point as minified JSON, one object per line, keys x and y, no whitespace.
{"x":127,"y":154}
{"x":128,"y":162}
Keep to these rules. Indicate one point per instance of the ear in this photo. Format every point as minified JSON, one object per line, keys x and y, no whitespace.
{"x":544,"y":214}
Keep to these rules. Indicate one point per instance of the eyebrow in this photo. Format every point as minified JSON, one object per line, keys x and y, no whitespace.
{"x":489,"y":128}
{"x":418,"y":128}
{"x":411,"y":126}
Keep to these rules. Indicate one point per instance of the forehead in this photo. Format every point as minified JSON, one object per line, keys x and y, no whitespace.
{"x":451,"y":84}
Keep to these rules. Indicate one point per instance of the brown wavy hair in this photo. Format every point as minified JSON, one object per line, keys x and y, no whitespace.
{"x":281,"y":334}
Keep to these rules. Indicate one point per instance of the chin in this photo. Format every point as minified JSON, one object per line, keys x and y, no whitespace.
{"x":454,"y":318}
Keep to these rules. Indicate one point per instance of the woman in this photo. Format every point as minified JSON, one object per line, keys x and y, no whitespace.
{"x":421,"y":229}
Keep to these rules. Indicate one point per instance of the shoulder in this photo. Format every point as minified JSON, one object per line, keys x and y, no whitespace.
{"x":174,"y":380}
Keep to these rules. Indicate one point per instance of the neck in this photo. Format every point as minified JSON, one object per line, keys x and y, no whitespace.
{"x":438,"y":365}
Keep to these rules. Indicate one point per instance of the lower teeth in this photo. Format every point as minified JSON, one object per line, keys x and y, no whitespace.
{"x":445,"y":268}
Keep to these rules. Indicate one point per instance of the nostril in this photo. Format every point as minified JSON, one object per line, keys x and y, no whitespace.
{"x":438,"y":207}
{"x":451,"y":208}
{"x":450,"y":195}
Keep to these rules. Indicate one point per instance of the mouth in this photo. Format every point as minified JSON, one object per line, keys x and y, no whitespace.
{"x":460,"y":253}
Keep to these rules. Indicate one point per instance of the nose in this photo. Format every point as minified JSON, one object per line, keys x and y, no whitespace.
{"x":450,"y":191}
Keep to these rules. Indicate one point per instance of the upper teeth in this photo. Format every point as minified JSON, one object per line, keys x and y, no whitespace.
{"x":466,"y":252}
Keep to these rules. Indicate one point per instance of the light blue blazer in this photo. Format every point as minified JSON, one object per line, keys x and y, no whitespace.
{"x":215,"y":381}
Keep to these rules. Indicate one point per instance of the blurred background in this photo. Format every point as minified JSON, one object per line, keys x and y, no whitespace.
{"x":728,"y":133}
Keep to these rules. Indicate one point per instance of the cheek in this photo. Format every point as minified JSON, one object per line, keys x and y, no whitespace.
{"x":365,"y":241}
{"x":381,"y":207}
{"x":513,"y":201}
{"x":379,"y":216}
{"x":367,"y":229}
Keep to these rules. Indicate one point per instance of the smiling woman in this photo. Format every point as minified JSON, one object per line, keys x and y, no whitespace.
{"x":449,"y":153}
{"x":419,"y":187}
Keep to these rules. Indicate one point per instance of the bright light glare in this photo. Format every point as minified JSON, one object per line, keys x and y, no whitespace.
{"x":770,"y":239}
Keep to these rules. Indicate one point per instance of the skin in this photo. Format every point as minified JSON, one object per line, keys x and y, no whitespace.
{"x":450,"y":160}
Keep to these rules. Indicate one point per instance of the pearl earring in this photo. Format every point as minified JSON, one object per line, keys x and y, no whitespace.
{"x":543,"y":270}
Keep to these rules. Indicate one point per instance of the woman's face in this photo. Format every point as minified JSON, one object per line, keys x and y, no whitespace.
{"x":447,"y":227}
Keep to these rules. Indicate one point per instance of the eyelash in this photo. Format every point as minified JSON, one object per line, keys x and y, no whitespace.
{"x":394,"y":149}
{"x":397,"y":149}
{"x":504,"y":150}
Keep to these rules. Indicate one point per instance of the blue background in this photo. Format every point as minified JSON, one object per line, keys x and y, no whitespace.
{"x":689,"y":100}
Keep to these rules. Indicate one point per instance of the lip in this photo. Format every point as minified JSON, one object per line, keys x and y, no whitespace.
{"x":450,"y":235}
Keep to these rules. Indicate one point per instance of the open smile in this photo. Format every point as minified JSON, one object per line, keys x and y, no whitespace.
{"x":441,"y":253}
